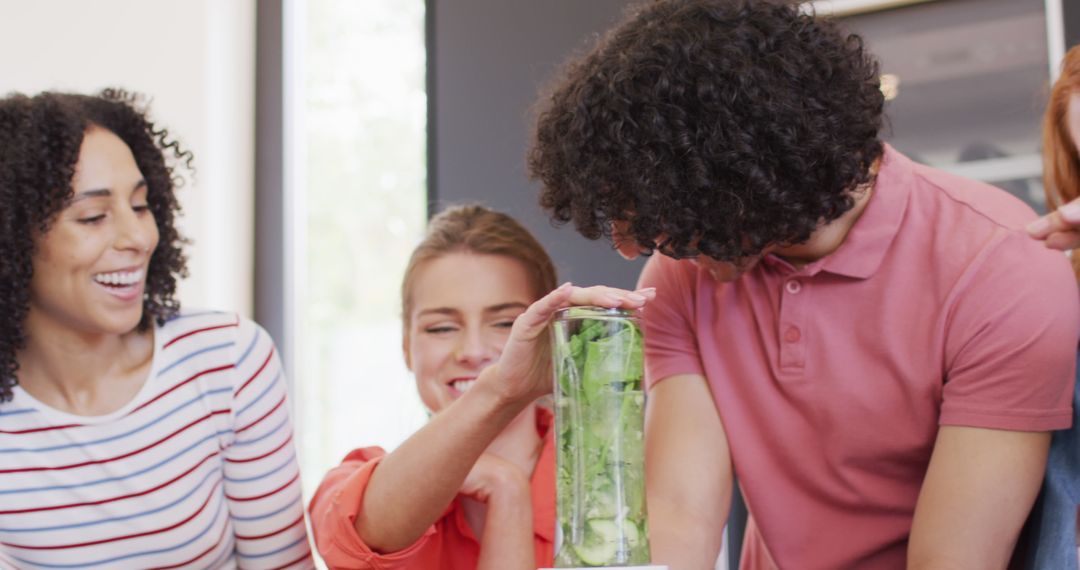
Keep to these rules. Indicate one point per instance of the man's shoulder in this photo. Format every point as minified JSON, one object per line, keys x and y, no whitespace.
{"x":969,"y":223}
{"x":969,"y":202}
{"x":661,"y":270}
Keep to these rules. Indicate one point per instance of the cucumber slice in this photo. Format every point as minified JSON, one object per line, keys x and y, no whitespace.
{"x":596,"y":555}
{"x":600,"y":544}
{"x":603,"y":545}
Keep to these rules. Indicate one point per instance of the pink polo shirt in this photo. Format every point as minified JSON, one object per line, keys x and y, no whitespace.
{"x":832,"y":379}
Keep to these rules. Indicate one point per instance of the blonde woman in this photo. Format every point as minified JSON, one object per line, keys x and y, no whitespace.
{"x":474,"y":488}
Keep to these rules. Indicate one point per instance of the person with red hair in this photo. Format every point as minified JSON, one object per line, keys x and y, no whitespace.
{"x":1055,"y":517}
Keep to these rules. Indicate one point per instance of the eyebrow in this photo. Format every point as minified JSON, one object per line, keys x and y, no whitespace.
{"x":504,"y":306}
{"x":492,"y":309}
{"x":100,"y":192}
{"x":438,"y":311}
{"x":91,"y":194}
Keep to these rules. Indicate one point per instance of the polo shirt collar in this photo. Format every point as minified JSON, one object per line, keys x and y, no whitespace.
{"x":866,"y":244}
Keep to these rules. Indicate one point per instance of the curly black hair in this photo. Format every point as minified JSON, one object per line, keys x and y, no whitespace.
{"x":40,"y":137}
{"x":724,"y":126}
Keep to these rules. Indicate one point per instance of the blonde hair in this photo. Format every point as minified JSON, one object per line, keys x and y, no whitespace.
{"x":1061,"y":162}
{"x":476,"y":229}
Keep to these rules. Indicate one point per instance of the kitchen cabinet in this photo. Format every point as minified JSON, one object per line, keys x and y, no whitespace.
{"x":966,"y":81}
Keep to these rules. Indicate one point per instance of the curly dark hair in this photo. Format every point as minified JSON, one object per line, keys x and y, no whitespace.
{"x":723,"y":125}
{"x":40,"y":137}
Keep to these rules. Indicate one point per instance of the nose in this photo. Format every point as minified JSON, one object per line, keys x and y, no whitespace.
{"x":135,"y":231}
{"x":472,"y":350}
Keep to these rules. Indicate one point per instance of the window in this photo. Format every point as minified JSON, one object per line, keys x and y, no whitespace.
{"x":361,"y":110}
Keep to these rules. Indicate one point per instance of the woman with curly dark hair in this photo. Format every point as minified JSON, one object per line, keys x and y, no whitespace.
{"x":874,"y":346}
{"x":132,"y":434}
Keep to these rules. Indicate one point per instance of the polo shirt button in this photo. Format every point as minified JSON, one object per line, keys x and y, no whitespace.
{"x":794,"y":287}
{"x":792,"y":334}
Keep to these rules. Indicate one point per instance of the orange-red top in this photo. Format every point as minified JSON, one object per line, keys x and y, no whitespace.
{"x":449,"y":544}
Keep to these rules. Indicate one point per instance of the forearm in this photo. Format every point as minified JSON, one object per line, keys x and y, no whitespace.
{"x":683,"y":542}
{"x":412,"y":486}
{"x":688,"y":474}
{"x":978,"y":491}
{"x":507,"y":542}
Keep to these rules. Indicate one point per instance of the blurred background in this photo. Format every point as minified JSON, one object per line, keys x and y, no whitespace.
{"x":326,"y":131}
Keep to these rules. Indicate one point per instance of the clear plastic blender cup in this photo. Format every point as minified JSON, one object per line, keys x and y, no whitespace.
{"x":599,"y":423}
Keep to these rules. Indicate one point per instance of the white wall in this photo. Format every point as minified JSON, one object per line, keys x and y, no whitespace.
{"x":196,"y":60}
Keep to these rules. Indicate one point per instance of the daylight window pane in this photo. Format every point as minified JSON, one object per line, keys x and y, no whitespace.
{"x":363,"y":185}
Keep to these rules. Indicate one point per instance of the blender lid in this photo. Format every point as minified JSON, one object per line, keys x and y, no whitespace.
{"x":590,"y":312}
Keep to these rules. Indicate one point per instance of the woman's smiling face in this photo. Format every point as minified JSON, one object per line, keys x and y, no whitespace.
{"x":90,"y":267}
{"x":463,"y":307}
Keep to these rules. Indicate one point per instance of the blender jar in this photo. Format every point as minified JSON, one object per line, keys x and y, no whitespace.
{"x":599,"y":423}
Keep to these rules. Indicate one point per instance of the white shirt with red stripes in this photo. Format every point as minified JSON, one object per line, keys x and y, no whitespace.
{"x":197,"y":471}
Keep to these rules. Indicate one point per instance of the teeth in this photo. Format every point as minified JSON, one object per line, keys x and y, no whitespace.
{"x":463,"y":385}
{"x":119,"y":277}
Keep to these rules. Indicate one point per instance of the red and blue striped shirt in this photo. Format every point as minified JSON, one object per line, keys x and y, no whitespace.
{"x":197,"y":471}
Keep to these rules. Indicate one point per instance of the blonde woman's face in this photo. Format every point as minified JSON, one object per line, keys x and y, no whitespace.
{"x":463,"y":307}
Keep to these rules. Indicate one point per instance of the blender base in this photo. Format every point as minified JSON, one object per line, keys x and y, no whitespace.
{"x":654,"y":567}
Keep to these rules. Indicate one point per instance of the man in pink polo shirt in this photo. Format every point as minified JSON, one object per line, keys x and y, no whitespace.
{"x":875,"y":347}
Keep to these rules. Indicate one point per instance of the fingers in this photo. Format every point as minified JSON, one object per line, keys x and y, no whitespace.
{"x":536,"y":317}
{"x":1071,"y":212}
{"x":611,"y":298}
{"x":1064,"y":219}
{"x":1064,"y":240}
{"x":1046,"y":225}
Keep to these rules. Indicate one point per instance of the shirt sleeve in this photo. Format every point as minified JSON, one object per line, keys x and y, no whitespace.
{"x":668,"y":320}
{"x":334,"y":509}
{"x":261,"y":473}
{"x":1011,"y":340}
